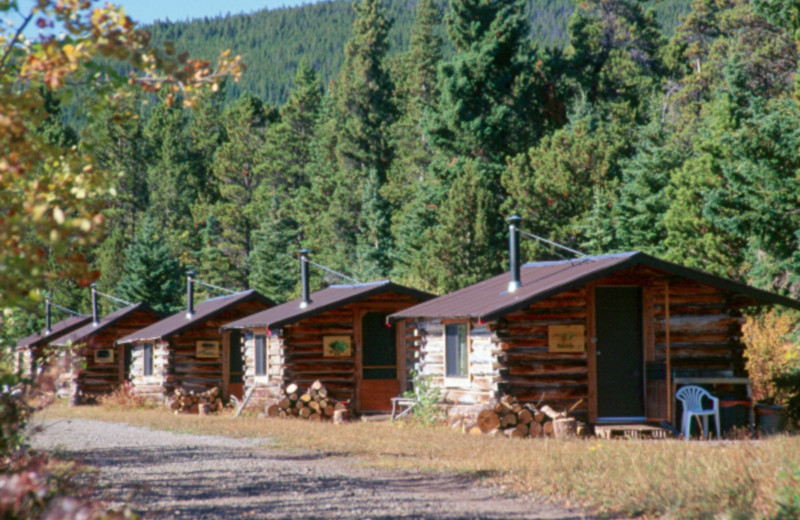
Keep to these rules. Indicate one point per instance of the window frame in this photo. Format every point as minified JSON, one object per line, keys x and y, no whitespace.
{"x":147,"y":358}
{"x":264,"y":364}
{"x":460,"y":381}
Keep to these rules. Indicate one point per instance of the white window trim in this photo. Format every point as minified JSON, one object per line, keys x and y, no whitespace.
{"x":261,"y":378}
{"x":450,"y":381}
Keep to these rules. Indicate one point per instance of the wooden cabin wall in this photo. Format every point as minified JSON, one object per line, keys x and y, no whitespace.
{"x":428,"y":359}
{"x":154,"y":386}
{"x":102,"y":378}
{"x":303,"y":358}
{"x":200,"y":374}
{"x":266,"y":386}
{"x":528,"y":370}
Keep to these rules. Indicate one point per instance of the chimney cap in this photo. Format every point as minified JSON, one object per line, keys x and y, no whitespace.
{"x":190,"y":273}
{"x":514,"y":219}
{"x":304,"y":251}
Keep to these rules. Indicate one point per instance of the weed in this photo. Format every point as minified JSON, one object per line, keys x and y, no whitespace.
{"x":426,"y":410}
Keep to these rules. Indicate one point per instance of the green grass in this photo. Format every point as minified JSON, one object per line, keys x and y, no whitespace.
{"x":672,"y":479}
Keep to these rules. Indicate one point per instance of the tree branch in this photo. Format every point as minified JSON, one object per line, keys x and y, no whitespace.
{"x":15,"y":38}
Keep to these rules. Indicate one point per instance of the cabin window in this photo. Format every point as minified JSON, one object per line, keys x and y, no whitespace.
{"x":148,"y":359}
{"x":456,"y":352}
{"x":261,"y":355}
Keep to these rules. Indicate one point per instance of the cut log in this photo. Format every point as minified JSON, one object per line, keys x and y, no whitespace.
{"x":473,"y":429}
{"x":522,"y":430}
{"x":285,"y":403}
{"x":328,"y":411}
{"x":535,"y":429}
{"x":547,"y":428}
{"x":509,"y":419}
{"x":565,"y":427}
{"x":291,"y":389}
{"x":316,"y":385}
{"x":339,"y":416}
{"x":305,"y":413}
{"x":487,"y":421}
{"x":552,"y":413}
{"x":525,"y":417}
{"x":315,"y":417}
{"x":322,"y":392}
{"x":273,"y":410}
{"x":306,"y":398}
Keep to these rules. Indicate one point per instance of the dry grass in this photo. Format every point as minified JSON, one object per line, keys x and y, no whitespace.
{"x":673,"y":479}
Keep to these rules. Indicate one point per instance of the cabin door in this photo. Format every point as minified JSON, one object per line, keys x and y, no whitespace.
{"x":620,"y":353}
{"x":379,"y":374}
{"x":236,"y":375}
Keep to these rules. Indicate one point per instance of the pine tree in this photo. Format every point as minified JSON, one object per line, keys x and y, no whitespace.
{"x":417,"y":92}
{"x":238,"y":168}
{"x":352,"y":144}
{"x":151,"y":273}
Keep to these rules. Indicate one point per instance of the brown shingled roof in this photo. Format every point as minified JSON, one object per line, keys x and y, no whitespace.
{"x":87,"y":330}
{"x":57,"y":330}
{"x":490,"y":299}
{"x":321,"y":301}
{"x":178,"y":322}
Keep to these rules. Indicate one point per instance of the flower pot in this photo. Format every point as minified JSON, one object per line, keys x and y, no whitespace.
{"x":770,"y":419}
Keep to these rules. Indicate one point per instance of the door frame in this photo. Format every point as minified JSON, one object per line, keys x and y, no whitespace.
{"x":358,"y":339}
{"x":591,"y":343}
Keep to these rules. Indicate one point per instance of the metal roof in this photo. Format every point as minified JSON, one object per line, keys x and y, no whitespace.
{"x":179,"y":322}
{"x":56,"y":330}
{"x":490,"y":299}
{"x":321,"y":301}
{"x":88,"y":330}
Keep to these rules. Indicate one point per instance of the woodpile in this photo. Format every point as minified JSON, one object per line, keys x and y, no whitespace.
{"x":189,"y":401}
{"x":516,"y":420}
{"x":314,"y":404}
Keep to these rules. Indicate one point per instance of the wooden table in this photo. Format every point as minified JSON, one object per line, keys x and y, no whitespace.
{"x":715,"y":381}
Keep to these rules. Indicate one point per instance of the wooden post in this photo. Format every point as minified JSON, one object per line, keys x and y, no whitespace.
{"x":591,"y":351}
{"x":226,"y":364}
{"x":401,"y":353}
{"x":668,"y":353}
{"x":358,"y":340}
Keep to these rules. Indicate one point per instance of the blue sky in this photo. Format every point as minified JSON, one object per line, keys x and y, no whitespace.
{"x":146,"y":11}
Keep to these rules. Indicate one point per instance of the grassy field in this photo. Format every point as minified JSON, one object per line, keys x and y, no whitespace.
{"x":670,"y":479}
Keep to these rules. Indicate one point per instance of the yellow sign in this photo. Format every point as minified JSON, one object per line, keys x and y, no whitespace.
{"x":207,"y":349}
{"x":104,"y":356}
{"x":336,"y":346}
{"x":566,"y":338}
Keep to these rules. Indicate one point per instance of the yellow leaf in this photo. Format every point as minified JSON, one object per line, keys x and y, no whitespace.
{"x":58,"y":215}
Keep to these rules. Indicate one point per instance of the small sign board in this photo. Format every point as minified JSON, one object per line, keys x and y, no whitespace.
{"x":336,"y":346}
{"x":207,"y":349}
{"x":104,"y":356}
{"x":566,"y":338}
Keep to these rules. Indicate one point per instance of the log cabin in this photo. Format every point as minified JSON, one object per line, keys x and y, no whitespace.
{"x":104,"y":365}
{"x":613,"y":330}
{"x":187,"y":350}
{"x":338,"y":335}
{"x":32,"y":352}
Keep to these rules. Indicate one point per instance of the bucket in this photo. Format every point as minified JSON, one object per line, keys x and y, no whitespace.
{"x":771,"y":419}
{"x":734,"y":414}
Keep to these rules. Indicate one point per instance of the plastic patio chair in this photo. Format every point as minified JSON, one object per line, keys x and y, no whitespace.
{"x":692,"y":398}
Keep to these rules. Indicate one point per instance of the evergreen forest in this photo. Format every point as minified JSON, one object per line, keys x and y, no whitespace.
{"x":394,"y":139}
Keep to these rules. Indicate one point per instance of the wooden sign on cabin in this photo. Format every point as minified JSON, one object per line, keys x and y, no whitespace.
{"x":207,"y":349}
{"x":336,"y":346}
{"x":566,"y":338}
{"x":104,"y":356}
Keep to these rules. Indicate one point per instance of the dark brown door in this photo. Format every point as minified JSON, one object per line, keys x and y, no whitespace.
{"x":236,"y":377}
{"x":620,"y":352}
{"x":379,"y":381}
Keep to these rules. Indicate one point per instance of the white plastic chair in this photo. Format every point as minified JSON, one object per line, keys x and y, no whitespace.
{"x":692,"y":398}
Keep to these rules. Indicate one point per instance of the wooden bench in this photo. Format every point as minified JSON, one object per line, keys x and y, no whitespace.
{"x":403,"y":405}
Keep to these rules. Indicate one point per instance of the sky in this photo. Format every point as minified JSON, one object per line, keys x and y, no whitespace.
{"x":146,"y":11}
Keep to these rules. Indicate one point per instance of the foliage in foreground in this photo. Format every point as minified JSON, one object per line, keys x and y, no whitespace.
{"x":676,"y":479}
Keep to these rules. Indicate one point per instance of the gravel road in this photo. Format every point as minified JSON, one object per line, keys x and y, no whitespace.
{"x":177,"y":476}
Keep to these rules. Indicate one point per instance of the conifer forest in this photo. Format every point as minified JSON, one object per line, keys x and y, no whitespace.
{"x":392,"y":139}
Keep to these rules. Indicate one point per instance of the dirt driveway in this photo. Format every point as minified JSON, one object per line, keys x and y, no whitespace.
{"x":169,"y":475}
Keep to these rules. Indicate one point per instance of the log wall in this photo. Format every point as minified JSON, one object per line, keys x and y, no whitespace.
{"x":427,"y":357}
{"x":511,"y":355}
{"x":296,"y":352}
{"x":152,"y":386}
{"x":94,"y":378}
{"x":267,"y":386}
{"x":178,"y":364}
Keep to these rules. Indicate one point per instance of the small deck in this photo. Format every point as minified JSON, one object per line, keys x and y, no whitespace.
{"x":632,"y":431}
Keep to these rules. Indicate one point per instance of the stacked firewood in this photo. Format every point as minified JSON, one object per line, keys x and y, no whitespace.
{"x":516,"y":420}
{"x":314,"y":404}
{"x":188,"y":401}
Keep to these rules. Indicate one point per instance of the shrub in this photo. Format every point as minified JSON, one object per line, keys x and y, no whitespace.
{"x":426,"y":409}
{"x":772,"y":355}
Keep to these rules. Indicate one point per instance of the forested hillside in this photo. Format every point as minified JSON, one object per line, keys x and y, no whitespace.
{"x":274,"y":41}
{"x":407,"y":164}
